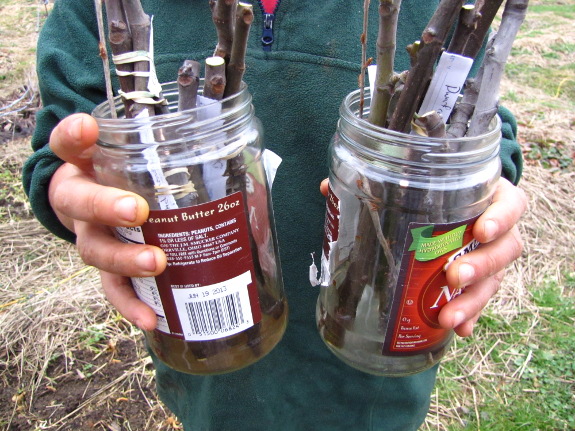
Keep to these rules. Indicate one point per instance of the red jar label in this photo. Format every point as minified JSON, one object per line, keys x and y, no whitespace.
{"x":422,"y":286}
{"x":208,"y":290}
{"x":331,"y":224}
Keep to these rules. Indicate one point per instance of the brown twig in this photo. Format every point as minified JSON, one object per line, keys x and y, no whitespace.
{"x":466,"y":25}
{"x":494,"y":66}
{"x":363,"y":42}
{"x":432,"y":40}
{"x":431,"y":123}
{"x":236,"y":66}
{"x":223,"y":13}
{"x":188,"y":83}
{"x":104,"y":57}
{"x":215,"y":78}
{"x":487,"y":10}
{"x":386,"y":45}
{"x":139,"y":25}
{"x":120,"y":43}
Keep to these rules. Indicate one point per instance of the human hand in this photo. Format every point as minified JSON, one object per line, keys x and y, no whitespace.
{"x":89,"y":209}
{"x":480,"y":272}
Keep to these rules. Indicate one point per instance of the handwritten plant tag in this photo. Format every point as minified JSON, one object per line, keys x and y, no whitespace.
{"x":446,"y":84}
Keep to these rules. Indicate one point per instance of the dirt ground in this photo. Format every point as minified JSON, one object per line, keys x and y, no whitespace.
{"x":69,"y":362}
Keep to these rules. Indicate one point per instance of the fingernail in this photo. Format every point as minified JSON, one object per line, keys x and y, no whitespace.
{"x":466,"y":273}
{"x":126,"y":208}
{"x":490,"y":228}
{"x":75,"y":129}
{"x":458,"y":318}
{"x":146,"y":261}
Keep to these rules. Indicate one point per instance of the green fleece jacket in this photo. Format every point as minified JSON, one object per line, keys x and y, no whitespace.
{"x":297,"y":88}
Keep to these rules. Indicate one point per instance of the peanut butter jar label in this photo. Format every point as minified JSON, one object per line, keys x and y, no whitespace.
{"x":422,"y":288}
{"x":208,"y":290}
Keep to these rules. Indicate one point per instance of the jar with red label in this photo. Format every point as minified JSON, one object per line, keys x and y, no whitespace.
{"x":400,"y":208}
{"x":220,"y":302}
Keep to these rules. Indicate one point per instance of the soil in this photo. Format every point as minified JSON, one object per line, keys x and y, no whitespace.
{"x":63,"y":398}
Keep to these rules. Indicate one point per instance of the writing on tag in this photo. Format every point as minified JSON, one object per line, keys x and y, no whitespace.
{"x":446,"y":84}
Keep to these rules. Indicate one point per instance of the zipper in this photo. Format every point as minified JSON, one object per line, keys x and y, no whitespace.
{"x":269,"y":9}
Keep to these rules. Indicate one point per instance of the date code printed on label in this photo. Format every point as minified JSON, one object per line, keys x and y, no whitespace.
{"x":215,"y":311}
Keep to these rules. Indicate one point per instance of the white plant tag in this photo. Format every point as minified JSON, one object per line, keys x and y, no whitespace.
{"x":446,"y":84}
{"x":154,"y":86}
{"x":154,"y":164}
{"x":371,"y":70}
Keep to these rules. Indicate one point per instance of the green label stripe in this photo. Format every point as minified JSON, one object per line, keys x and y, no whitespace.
{"x":428,"y":247}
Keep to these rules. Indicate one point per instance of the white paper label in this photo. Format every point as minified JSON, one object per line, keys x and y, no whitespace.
{"x":215,"y":311}
{"x":446,"y":84}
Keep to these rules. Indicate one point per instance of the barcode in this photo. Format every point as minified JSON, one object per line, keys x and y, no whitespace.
{"x":215,"y":316}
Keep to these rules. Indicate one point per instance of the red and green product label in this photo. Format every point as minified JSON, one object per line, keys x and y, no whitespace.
{"x":208,"y":290}
{"x":422,"y":288}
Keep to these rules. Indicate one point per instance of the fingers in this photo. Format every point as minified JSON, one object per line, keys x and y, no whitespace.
{"x":486,"y":260}
{"x":119,"y":292}
{"x":323,"y":187}
{"x":509,"y":203}
{"x":462,"y":313}
{"x":74,"y":139}
{"x":98,"y":247}
{"x":78,"y":197}
{"x":480,"y":272}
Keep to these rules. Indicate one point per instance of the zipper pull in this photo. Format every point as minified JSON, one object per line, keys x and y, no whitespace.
{"x":269,"y":9}
{"x":268,"y":31}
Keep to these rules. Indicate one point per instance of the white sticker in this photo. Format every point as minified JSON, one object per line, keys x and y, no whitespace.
{"x":446,"y":84}
{"x":215,"y":311}
{"x":271,"y":163}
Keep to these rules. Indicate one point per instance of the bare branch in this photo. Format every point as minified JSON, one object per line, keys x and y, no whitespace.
{"x":466,"y":24}
{"x":494,"y":66}
{"x":120,"y":43}
{"x":386,"y":45}
{"x":223,"y":13}
{"x":430,"y":124}
{"x":104,"y":57}
{"x":215,"y":78}
{"x":236,"y":66}
{"x":487,"y":10}
{"x":363,"y":42}
{"x":432,"y":40}
{"x":188,"y":83}
{"x":139,"y":25}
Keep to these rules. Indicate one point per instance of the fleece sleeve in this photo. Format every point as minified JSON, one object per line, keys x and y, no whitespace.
{"x":71,"y":80}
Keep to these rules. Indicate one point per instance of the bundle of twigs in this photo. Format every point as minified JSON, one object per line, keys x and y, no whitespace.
{"x":129,"y":29}
{"x":395,"y":103}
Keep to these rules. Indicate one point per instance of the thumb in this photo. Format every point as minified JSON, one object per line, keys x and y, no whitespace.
{"x":74,"y":139}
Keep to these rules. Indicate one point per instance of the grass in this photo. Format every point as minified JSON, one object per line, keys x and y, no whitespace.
{"x":20,"y":21}
{"x":537,"y":390}
{"x":540,"y":84}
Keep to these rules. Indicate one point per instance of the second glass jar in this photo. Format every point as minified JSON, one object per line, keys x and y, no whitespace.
{"x":400,"y":208}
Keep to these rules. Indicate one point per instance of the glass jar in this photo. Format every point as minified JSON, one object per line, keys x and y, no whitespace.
{"x":220,"y":302}
{"x":400,"y":208}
